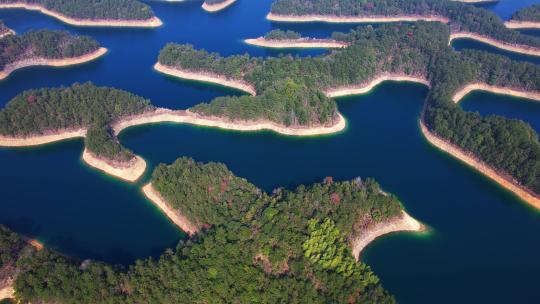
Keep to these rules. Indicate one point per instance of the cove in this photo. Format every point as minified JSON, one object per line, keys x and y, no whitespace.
{"x":481,"y":235}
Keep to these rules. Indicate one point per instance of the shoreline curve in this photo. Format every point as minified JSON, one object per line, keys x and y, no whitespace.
{"x":478,"y":86}
{"x":402,"y":223}
{"x":130,"y":171}
{"x":517,"y":48}
{"x":212,"y":8}
{"x":173,"y":215}
{"x":152,"y":22}
{"x":206,"y":77}
{"x":296,"y":43}
{"x":468,"y":158}
{"x":367,"y":87}
{"x":353,"y":19}
{"x":514,"y":24}
{"x":7,"y":292}
{"x":10,"y":68}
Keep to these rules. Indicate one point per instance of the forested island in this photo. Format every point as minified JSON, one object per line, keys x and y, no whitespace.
{"x":216,"y":5}
{"x":123,"y":13}
{"x":288,"y":246}
{"x":466,"y":21}
{"x":528,"y":17}
{"x":4,"y":30}
{"x":46,"y":47}
{"x":293,"y":91}
{"x":290,"y":39}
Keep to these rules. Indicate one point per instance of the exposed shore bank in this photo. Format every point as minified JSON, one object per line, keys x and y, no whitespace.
{"x":468,"y":158}
{"x":129,"y":171}
{"x":175,"y":216}
{"x":206,"y":77}
{"x":402,"y":223}
{"x":353,"y":19}
{"x":296,"y":43}
{"x":366,"y":87}
{"x":517,"y":48}
{"x":477,"y":86}
{"x":513,"y":24}
{"x":41,"y":139}
{"x":7,"y":33}
{"x":152,"y":22}
{"x":212,"y":8}
{"x":7,"y":293}
{"x":476,"y":1}
{"x":10,"y":68}
{"x":188,"y":117}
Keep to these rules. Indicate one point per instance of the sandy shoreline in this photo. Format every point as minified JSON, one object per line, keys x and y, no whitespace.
{"x":476,"y":1}
{"x":42,"y":139}
{"x":187,"y":117}
{"x":352,"y":19}
{"x":10,"y":68}
{"x":512,"y":24}
{"x":296,"y":43}
{"x":152,"y":22}
{"x":523,"y":49}
{"x":365,"y":88}
{"x":398,"y":224}
{"x":458,"y":96}
{"x":7,"y":293}
{"x":7,"y":33}
{"x":175,"y":216}
{"x":206,"y":77}
{"x":130,"y":171}
{"x":523,"y":193}
{"x":212,"y":8}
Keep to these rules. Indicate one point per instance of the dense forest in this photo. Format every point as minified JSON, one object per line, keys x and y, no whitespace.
{"x":290,"y":89}
{"x":44,"y":44}
{"x":79,"y":106}
{"x":531,"y":13}
{"x":463,"y":17}
{"x":284,"y":247}
{"x":282,"y":35}
{"x":94,"y":9}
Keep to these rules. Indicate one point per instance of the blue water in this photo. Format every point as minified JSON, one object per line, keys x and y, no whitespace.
{"x":483,"y":246}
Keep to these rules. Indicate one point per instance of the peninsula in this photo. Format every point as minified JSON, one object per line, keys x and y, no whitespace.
{"x":527,"y":18}
{"x":97,"y":13}
{"x":46,"y":48}
{"x":466,"y":21}
{"x":294,"y":240}
{"x":296,"y":91}
{"x":289,"y":39}
{"x":213,"y":6}
{"x":5,"y":31}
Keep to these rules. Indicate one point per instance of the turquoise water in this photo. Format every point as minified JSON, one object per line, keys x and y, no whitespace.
{"x":483,"y":245}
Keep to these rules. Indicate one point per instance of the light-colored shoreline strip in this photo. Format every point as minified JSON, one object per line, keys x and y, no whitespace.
{"x":523,"y":49}
{"x":296,"y":43}
{"x":476,"y":1}
{"x":10,"y":68}
{"x":37,"y":140}
{"x":514,"y":24}
{"x":367,"y":87}
{"x":353,"y":19}
{"x":175,"y":216}
{"x":152,"y":22}
{"x":187,"y":117}
{"x":206,"y":77}
{"x":7,"y":293}
{"x":402,"y":223}
{"x":130,"y":171}
{"x":506,"y":182}
{"x":9,"y":32}
{"x":458,"y":96}
{"x":212,"y":8}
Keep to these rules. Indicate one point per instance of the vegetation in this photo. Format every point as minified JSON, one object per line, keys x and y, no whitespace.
{"x":531,"y":13}
{"x":287,"y":247}
{"x":3,"y":28}
{"x":44,"y":44}
{"x":211,"y":2}
{"x":44,"y":111}
{"x":290,"y":89}
{"x":463,"y":17}
{"x":282,"y":35}
{"x":94,"y":9}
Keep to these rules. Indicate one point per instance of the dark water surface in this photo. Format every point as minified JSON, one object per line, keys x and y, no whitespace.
{"x":483,"y":245}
